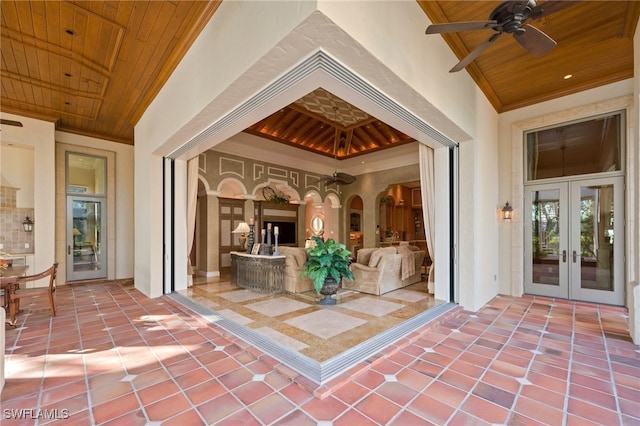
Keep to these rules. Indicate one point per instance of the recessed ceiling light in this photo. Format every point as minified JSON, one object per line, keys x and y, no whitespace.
{"x":568,"y":76}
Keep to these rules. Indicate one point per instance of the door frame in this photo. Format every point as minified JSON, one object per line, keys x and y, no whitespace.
{"x":569,"y":264}
{"x":100,"y":255}
{"x":61,"y":206}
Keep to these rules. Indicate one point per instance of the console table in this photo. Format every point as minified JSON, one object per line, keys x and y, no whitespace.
{"x":264,"y":274}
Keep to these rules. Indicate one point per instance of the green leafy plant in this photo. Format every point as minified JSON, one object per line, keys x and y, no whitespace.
{"x":327,"y":258}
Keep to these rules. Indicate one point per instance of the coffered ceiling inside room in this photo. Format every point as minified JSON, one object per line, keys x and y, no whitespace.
{"x":94,"y":67}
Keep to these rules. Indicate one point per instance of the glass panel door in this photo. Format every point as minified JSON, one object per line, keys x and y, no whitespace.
{"x":86,"y":238}
{"x":597,"y":229}
{"x":574,"y":240}
{"x":546,"y":240}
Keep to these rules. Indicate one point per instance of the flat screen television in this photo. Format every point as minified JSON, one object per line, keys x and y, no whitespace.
{"x":287,"y":232}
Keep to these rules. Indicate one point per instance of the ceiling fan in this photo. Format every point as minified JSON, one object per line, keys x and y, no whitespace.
{"x":340,"y":141}
{"x":508,"y":18}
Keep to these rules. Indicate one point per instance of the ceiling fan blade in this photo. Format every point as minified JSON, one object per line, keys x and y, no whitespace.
{"x":454,"y":27}
{"x":535,"y":41}
{"x":327,"y":180}
{"x":475,"y":53}
{"x":551,"y":6}
{"x":10,"y":122}
{"x":345,"y":179}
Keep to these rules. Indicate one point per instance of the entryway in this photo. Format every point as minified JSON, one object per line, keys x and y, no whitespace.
{"x":574,"y":239}
{"x":86,"y":217}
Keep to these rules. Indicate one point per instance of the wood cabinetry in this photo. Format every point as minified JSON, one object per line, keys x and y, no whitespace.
{"x":416,"y":198}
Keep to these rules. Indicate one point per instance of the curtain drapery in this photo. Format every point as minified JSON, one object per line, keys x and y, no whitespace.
{"x":427,"y":187}
{"x":192,"y":199}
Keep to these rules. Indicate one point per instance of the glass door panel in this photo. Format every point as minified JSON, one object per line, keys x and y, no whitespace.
{"x":86,"y":238}
{"x":546,"y":245}
{"x":596,"y":255}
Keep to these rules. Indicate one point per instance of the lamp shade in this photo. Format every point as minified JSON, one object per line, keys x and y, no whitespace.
{"x":241,"y":229}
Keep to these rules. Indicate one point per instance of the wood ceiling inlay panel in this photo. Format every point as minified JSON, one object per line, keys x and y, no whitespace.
{"x":93,"y":67}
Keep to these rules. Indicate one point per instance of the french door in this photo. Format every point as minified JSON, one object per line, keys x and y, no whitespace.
{"x":574,"y":240}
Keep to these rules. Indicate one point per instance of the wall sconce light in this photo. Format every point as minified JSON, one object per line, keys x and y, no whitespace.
{"x":27,"y":224}
{"x":507,"y":211}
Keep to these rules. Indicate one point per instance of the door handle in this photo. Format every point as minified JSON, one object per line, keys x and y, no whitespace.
{"x":564,"y":256}
{"x":574,"y":256}
{"x":68,"y":249}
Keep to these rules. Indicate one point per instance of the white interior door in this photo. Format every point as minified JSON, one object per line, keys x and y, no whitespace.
{"x":574,"y":240}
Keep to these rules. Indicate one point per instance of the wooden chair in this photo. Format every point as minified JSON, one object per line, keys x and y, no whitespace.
{"x":18,"y":293}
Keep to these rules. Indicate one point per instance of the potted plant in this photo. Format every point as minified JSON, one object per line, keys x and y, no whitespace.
{"x":328,"y":262}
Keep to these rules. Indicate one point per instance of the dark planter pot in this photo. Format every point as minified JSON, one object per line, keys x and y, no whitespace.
{"x":329,"y":288}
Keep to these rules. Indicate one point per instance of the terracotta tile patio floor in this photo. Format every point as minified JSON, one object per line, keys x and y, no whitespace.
{"x":114,"y":356}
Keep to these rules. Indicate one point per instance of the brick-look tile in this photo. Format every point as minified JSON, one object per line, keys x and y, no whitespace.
{"x":117,"y":357}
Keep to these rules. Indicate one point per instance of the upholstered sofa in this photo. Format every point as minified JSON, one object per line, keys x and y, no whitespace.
{"x":295,"y":257}
{"x":381,"y":270}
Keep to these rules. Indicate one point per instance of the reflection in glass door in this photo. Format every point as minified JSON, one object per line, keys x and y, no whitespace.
{"x":574,"y":240}
{"x":86,"y":251}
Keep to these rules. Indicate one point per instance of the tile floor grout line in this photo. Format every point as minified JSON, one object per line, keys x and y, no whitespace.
{"x":550,"y":308}
{"x":612,"y":378}
{"x":493,"y":360}
{"x":143,"y":408}
{"x":441,"y":341}
{"x":44,"y":368}
{"x":177,"y":311}
{"x":567,"y":397}
{"x":164,"y":367}
{"x":84,"y":358}
{"x":116,"y":347}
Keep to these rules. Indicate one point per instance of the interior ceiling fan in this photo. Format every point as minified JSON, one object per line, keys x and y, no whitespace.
{"x":508,"y":18}
{"x":340,"y":142}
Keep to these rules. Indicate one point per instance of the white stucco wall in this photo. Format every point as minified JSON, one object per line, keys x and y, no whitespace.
{"x":477,"y":213}
{"x":16,"y":167}
{"x":124,"y":217}
{"x":40,"y":136}
{"x":416,"y":77}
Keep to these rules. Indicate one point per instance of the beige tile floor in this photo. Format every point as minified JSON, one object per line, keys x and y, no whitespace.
{"x":299,"y":323}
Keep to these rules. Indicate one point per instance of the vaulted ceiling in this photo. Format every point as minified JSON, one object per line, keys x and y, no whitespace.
{"x":94,"y":67}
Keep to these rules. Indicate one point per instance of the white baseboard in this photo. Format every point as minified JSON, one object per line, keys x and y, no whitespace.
{"x":208,"y":274}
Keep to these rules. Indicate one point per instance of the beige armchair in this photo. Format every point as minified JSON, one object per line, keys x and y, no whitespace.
{"x":295,"y":257}
{"x":376,"y":271}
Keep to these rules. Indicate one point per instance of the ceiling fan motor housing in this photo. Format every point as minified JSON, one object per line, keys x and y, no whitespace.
{"x":511,"y":15}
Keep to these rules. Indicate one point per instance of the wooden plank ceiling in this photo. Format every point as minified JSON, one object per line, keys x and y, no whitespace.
{"x":94,"y":67}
